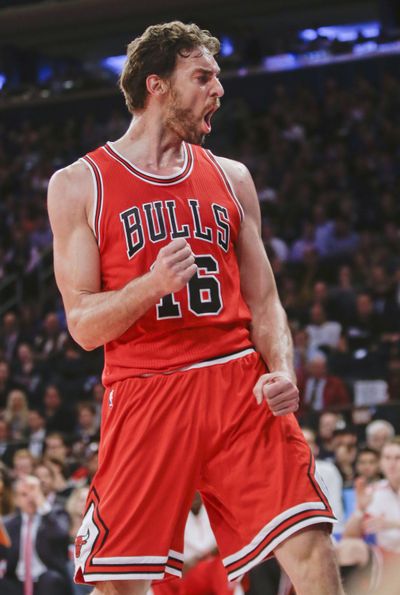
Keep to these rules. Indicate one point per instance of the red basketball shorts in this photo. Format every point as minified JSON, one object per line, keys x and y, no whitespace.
{"x":164,"y":437}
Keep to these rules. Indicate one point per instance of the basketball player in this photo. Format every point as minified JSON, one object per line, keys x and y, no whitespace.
{"x":159,"y":258}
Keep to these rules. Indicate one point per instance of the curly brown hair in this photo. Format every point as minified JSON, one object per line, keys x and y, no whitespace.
{"x":155,"y":52}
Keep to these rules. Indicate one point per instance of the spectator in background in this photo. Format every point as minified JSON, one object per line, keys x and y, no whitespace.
{"x":87,"y":429}
{"x":304,"y":244}
{"x":10,"y":336}
{"x":331,"y":478}
{"x":23,"y":463}
{"x":39,"y":545}
{"x":7,"y":449}
{"x":377,"y":514}
{"x":6,"y":492}
{"x":364,"y":330}
{"x":274,"y":246}
{"x":6,"y":383}
{"x":84,"y":474}
{"x":323,"y":226}
{"x":36,"y":433}
{"x":322,"y":333}
{"x":59,"y":418}
{"x":56,"y":447}
{"x":340,"y":240}
{"x":46,"y":474}
{"x":380,"y":289}
{"x":320,"y":390}
{"x":26,"y":373}
{"x":50,"y":342}
{"x":377,"y":433}
{"x":345,"y":452}
{"x":367,"y":465}
{"x":343,"y":296}
{"x":16,"y":414}
{"x":327,"y":425}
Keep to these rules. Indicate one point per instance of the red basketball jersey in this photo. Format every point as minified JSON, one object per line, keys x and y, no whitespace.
{"x":135,"y":215}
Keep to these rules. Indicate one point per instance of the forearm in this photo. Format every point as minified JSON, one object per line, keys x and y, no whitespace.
{"x":97,"y":318}
{"x":271,"y":336}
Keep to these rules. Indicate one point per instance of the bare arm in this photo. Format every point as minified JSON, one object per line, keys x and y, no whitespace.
{"x":269,"y":328}
{"x":95,"y":317}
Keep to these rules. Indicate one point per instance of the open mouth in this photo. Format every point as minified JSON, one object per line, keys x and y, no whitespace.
{"x":207,"y":119}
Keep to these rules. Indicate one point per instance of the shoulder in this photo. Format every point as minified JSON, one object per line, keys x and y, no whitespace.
{"x":236,"y":171}
{"x":70,"y":180}
{"x":242,"y":183}
{"x":70,"y":190}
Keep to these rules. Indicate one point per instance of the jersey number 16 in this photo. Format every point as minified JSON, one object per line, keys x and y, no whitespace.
{"x":204,"y":292}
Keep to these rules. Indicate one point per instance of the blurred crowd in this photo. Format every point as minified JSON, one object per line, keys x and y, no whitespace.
{"x":326,"y":169}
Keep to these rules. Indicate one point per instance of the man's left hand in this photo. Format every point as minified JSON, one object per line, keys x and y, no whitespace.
{"x":279,"y":391}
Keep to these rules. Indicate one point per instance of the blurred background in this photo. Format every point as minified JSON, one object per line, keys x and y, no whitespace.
{"x":312,"y":107}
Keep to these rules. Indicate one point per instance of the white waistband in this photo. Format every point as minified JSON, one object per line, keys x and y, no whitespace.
{"x":205,"y":364}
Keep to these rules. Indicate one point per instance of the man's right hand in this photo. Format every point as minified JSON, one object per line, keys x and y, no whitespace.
{"x":173,"y":267}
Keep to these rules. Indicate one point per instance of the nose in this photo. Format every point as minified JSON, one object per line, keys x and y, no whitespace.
{"x":218,"y":90}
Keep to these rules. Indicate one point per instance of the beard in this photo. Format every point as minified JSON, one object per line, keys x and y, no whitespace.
{"x":183,"y":121}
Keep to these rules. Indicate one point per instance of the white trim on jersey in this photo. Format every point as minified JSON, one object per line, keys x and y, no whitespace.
{"x":205,"y":364}
{"x":173,"y":571}
{"x":91,"y":578}
{"x":99,"y":196}
{"x":225,"y":178}
{"x":275,"y":542}
{"x":116,"y":561}
{"x":140,"y":173}
{"x":95,"y":193}
{"x":247,"y":549}
{"x":218,"y":360}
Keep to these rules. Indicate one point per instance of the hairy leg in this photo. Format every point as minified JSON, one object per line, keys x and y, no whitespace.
{"x":309,"y":560}
{"x":121,"y":588}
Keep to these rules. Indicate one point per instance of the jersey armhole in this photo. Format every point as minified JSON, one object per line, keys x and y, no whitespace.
{"x":97,"y":194}
{"x":227,"y":183}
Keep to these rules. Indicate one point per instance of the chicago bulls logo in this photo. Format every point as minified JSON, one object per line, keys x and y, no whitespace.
{"x":79,"y":542}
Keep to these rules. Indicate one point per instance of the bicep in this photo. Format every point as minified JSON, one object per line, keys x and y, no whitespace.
{"x":256,"y":276}
{"x":257,"y":279}
{"x":76,"y":254}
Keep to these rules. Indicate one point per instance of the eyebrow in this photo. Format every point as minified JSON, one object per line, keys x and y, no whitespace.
{"x":207,"y":70}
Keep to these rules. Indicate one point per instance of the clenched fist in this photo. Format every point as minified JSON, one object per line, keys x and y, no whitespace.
{"x":279,"y":391}
{"x":174,"y":266}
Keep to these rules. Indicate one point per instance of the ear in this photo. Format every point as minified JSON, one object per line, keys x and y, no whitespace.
{"x":156,"y":85}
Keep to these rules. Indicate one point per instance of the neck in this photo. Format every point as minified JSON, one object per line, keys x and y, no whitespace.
{"x":149,"y":143}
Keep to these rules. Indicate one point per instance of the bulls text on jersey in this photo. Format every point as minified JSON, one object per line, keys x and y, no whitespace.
{"x":154,"y":216}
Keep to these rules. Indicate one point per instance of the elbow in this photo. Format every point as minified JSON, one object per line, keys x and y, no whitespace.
{"x":79,"y":333}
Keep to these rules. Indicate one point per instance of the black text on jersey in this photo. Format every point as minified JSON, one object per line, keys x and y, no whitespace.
{"x":160,"y":221}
